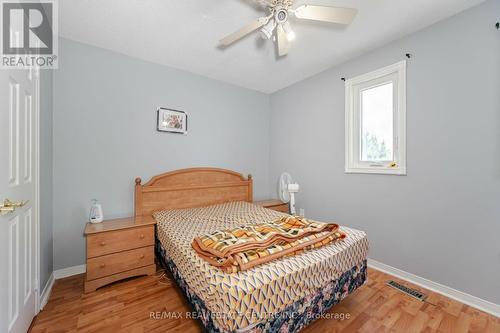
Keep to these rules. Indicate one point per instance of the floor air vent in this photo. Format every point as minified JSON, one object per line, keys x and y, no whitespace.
{"x":410,"y":292}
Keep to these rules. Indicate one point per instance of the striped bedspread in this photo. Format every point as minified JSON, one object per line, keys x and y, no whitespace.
{"x":244,"y":247}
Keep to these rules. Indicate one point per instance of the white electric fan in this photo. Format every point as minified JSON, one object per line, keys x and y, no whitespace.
{"x":287,"y":190}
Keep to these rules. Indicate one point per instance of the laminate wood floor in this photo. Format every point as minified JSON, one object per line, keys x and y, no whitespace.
{"x":127,"y":306}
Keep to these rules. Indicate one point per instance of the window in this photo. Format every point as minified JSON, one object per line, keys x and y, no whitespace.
{"x":376,"y":121}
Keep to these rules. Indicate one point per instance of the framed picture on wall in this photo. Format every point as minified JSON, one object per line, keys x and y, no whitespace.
{"x":173,"y":121}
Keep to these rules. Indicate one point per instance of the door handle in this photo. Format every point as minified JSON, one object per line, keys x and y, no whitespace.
{"x":9,"y":207}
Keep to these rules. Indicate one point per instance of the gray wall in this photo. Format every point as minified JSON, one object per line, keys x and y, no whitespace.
{"x":442,"y":220}
{"x":105,"y":134}
{"x":46,"y":264}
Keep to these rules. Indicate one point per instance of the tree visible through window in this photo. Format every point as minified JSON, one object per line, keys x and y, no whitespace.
{"x":374,"y":150}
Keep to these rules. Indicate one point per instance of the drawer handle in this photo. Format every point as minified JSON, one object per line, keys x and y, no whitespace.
{"x":102,"y":265}
{"x":141,"y":236}
{"x":103,"y":243}
{"x":142,"y":256}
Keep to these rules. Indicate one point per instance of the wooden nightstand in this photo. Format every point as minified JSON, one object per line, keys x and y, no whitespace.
{"x":274,"y":204}
{"x":119,"y":249}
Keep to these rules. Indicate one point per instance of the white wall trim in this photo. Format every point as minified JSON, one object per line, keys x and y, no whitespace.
{"x":473,"y":301}
{"x":69,"y":271}
{"x":36,"y":80}
{"x":45,"y":295}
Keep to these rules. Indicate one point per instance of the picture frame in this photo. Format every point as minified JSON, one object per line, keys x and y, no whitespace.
{"x":171,"y":120}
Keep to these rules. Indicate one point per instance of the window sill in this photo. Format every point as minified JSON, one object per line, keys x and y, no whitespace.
{"x":379,"y":171}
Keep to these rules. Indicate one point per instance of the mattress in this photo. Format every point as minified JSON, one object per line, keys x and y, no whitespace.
{"x":243,"y":299}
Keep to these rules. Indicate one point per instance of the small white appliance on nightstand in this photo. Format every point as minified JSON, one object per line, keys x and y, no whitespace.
{"x":96,"y":215}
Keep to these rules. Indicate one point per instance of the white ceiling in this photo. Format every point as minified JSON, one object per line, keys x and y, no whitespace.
{"x":184,"y":34}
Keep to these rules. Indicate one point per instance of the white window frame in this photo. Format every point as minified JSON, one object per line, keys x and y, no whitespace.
{"x":396,"y":74}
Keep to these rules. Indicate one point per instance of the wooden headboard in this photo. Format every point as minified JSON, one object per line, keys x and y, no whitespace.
{"x":187,"y":188}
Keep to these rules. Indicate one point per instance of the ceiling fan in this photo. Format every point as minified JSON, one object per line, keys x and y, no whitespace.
{"x":277,"y":27}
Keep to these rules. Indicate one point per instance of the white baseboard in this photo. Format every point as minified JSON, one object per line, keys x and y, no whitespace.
{"x":473,"y":301}
{"x":44,"y":296}
{"x":69,"y":271}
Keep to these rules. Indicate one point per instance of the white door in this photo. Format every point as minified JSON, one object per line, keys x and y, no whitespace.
{"x":18,"y":183}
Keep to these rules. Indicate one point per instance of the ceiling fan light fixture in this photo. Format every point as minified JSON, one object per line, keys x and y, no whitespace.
{"x":267,"y":31}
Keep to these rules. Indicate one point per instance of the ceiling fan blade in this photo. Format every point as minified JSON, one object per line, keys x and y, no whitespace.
{"x":230,"y":39}
{"x":283,"y":43}
{"x":263,"y":3}
{"x":326,"y":14}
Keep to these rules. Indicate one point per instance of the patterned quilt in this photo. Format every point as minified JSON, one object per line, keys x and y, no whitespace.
{"x":242,"y":299}
{"x":247,"y":246}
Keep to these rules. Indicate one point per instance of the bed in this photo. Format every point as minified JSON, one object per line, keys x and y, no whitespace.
{"x":283,"y":295}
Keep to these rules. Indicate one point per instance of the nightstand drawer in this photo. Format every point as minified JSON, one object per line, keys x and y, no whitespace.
{"x":115,"y":241}
{"x":119,"y":262}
